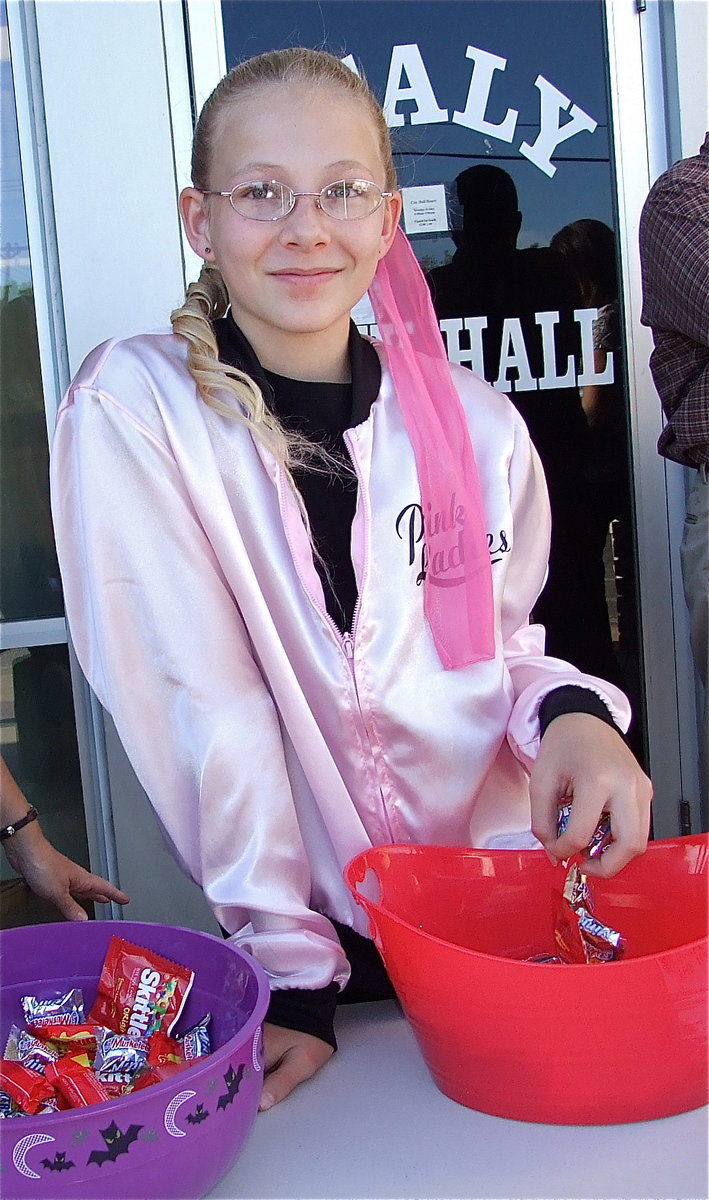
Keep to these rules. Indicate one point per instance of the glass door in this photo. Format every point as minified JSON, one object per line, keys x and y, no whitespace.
{"x":501,"y":124}
{"x":527,"y":136}
{"x":37,"y":724}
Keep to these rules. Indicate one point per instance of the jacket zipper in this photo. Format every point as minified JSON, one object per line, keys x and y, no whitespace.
{"x":345,"y":640}
{"x":348,"y":639}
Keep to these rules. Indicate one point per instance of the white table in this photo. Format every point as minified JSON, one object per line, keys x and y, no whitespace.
{"x":373,"y":1124}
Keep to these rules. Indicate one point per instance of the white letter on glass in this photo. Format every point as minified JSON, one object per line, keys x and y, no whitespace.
{"x":547,"y":322}
{"x":408,"y":59}
{"x":585,"y":318}
{"x":452,"y":327}
{"x":485,"y":65}
{"x":552,"y":103}
{"x":513,"y":354}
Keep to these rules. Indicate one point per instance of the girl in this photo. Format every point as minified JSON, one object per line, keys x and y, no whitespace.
{"x":299,"y":564}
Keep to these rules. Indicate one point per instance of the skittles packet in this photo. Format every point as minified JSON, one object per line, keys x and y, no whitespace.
{"x":139,"y":991}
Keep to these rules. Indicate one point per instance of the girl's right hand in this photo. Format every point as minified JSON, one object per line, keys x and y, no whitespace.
{"x":291,"y":1057}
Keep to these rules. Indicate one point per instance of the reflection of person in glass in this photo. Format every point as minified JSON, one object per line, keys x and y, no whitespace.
{"x":291,"y":682}
{"x":51,"y":875}
{"x":29,"y":574}
{"x":489,"y":277}
{"x":588,"y":248}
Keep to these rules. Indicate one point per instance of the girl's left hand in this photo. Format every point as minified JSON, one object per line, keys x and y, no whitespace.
{"x":585,"y":760}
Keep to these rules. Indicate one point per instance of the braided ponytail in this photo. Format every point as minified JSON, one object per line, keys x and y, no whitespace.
{"x":206,"y":300}
{"x":233,"y":393}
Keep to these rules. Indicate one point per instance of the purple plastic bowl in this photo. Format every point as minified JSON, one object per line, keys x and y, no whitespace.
{"x":176,"y":1139}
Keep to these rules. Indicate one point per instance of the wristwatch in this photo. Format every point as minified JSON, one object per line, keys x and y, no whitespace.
{"x":9,"y":830}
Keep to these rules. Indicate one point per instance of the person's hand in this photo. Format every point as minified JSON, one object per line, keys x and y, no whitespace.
{"x":585,"y":760}
{"x":291,"y":1057}
{"x":56,"y":878}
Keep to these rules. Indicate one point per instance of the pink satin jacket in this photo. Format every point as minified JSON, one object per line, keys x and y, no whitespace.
{"x":272,"y":747}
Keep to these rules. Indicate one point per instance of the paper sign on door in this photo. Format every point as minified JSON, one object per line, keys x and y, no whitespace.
{"x":425,"y":209}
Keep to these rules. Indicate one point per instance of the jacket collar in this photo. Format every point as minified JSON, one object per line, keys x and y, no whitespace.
{"x":236,"y":351}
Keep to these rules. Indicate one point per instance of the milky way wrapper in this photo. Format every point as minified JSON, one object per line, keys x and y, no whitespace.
{"x":580,"y":937}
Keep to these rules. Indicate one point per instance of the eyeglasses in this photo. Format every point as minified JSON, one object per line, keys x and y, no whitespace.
{"x":269,"y":200}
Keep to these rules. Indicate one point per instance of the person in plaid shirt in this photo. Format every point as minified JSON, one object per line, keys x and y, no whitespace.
{"x":674,"y":257}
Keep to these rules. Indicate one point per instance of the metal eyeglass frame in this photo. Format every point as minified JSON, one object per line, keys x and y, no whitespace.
{"x":295,"y":195}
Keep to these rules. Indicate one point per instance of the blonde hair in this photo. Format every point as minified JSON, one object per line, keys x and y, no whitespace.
{"x":225,"y":389}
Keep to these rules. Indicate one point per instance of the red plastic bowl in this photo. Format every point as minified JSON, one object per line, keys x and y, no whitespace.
{"x":176,"y":1139}
{"x":569,"y":1045}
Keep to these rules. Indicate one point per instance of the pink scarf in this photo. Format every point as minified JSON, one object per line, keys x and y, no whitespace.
{"x":458,"y":583}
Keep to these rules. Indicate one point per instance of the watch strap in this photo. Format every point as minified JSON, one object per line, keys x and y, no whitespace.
{"x":12,"y":829}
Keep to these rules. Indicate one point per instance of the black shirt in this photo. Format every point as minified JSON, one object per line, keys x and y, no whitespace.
{"x":321,"y":412}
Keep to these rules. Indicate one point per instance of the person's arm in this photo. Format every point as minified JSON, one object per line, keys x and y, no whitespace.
{"x":49,"y":874}
{"x":594,"y":397}
{"x":578,"y":754}
{"x":291,"y":1058}
{"x":584,"y":758}
{"x":680,"y":372}
{"x":674,"y":226}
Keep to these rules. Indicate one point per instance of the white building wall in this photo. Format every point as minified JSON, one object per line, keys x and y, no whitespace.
{"x":109,"y":129}
{"x":691,"y":19}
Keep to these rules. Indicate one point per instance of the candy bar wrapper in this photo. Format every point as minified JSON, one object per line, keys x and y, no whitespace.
{"x":602,"y":836}
{"x":119,"y":1058}
{"x":196,"y":1042}
{"x":69,"y":1039}
{"x":579,"y":936}
{"x":139,"y":991}
{"x":567,"y":933}
{"x":157,"y":1073}
{"x":164,"y":1049}
{"x":193,"y":1044}
{"x":67,"y":1007}
{"x":562,"y":818}
{"x":545,"y":958}
{"x":76,"y":1085}
{"x":601,"y":943}
{"x":26,"y":1088}
{"x":50,"y":1106}
{"x":576,"y":890}
{"x":8,"y":1108}
{"x":31,"y":1051}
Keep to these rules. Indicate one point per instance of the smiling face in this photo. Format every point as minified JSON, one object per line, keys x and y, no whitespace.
{"x":293,"y":282}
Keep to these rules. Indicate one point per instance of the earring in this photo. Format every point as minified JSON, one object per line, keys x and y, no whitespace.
{"x":207,"y":250}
